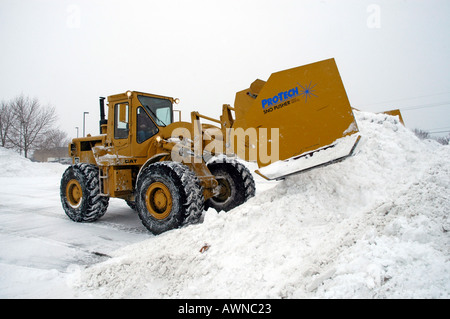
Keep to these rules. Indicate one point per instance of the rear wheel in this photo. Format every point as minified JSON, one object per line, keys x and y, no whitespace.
{"x":236,"y":185}
{"x":131,"y":204}
{"x":80,"y":193}
{"x":169,"y":196}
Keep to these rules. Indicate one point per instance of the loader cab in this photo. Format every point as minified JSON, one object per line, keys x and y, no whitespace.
{"x":134,"y":118}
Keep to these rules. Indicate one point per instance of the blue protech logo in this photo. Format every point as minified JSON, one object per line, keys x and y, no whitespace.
{"x":282,"y":97}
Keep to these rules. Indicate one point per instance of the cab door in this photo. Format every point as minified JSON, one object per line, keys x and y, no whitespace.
{"x":121,"y":141}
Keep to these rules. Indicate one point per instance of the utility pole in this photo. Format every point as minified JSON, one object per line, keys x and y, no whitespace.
{"x":84,"y":120}
{"x":77,"y":130}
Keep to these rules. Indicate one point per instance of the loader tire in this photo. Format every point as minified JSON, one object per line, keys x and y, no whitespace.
{"x":131,"y":204}
{"x":80,"y":193}
{"x":236,"y":182}
{"x":169,"y":196}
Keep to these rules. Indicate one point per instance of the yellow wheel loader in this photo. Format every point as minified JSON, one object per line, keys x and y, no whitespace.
{"x":171,"y":171}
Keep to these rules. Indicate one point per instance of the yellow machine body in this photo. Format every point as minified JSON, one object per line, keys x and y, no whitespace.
{"x":395,"y":112}
{"x":119,"y":152}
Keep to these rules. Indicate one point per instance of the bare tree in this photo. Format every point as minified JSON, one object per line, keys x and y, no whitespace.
{"x":54,"y":138}
{"x":31,"y":122}
{"x":444,"y":140}
{"x":6,"y":119}
{"x":421,"y":134}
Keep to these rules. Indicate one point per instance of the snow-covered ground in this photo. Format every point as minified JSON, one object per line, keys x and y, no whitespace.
{"x":373,"y":226}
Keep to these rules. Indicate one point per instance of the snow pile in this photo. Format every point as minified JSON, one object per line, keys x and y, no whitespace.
{"x":373,"y":226}
{"x":15,"y":165}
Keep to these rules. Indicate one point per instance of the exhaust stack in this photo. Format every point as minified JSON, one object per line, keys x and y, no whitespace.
{"x":103,"y":120}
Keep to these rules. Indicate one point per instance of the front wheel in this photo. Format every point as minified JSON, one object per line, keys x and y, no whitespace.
{"x":236,"y":185}
{"x":80,"y":193}
{"x":169,"y":196}
{"x":131,"y":204}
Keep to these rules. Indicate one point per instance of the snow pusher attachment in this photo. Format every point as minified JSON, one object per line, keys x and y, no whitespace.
{"x":302,"y":117}
{"x":395,"y":112}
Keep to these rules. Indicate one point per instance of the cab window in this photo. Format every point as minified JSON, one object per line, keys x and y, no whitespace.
{"x":121,"y":120}
{"x":159,"y":109}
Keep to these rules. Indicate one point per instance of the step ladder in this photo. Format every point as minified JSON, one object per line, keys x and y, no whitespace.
{"x":103,"y":180}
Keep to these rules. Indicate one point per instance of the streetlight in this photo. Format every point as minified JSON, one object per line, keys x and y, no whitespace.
{"x":84,"y":119}
{"x":77,"y":130}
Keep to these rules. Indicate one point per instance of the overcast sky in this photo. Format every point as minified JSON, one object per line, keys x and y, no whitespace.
{"x":390,"y":54}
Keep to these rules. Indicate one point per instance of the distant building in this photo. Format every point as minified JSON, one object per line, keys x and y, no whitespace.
{"x":55,"y":155}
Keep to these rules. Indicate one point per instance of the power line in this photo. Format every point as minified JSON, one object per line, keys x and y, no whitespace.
{"x":416,"y":107}
{"x":405,"y":99}
{"x":439,"y":128}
